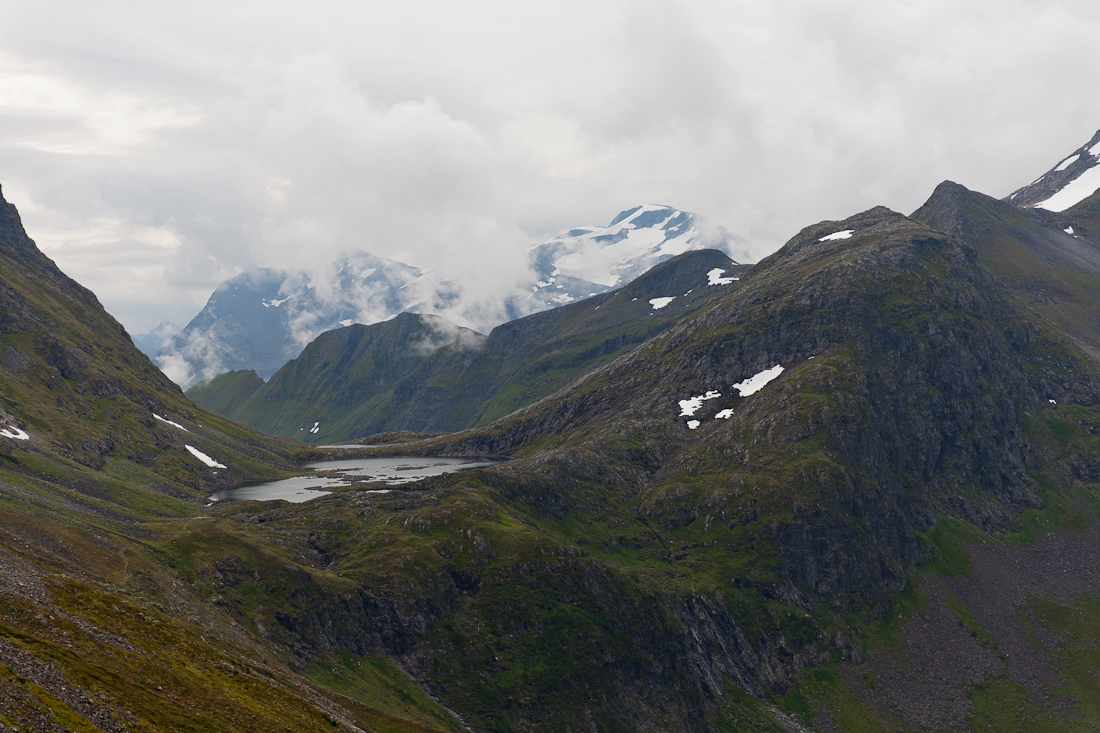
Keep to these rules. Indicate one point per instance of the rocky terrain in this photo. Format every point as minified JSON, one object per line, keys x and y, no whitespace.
{"x":854,"y":490}
{"x":422,"y":373}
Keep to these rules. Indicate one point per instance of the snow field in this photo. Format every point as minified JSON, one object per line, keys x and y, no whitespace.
{"x":173,"y":424}
{"x":714,"y":277}
{"x":846,"y":234}
{"x":1074,"y":192}
{"x":753,"y":384}
{"x":203,"y":457}
{"x":14,"y":433}
{"x":659,"y":303}
{"x":689,"y":406}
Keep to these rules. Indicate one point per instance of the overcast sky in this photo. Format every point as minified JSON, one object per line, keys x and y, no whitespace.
{"x":154,"y":150}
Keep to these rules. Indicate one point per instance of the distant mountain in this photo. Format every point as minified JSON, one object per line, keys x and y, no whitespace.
{"x":262,"y":318}
{"x":152,"y":342}
{"x":1070,"y":181}
{"x":419,"y":372}
{"x":586,"y":261}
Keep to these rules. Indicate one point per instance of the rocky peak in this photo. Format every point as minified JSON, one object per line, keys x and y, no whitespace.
{"x":1070,"y":181}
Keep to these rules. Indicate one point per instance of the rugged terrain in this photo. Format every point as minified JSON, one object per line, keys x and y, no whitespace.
{"x":856,"y":490}
{"x":422,"y":373}
{"x":263,"y":317}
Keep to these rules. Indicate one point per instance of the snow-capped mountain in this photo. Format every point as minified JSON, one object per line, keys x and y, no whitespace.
{"x":1070,"y":182}
{"x":263,"y":318}
{"x":586,"y":261}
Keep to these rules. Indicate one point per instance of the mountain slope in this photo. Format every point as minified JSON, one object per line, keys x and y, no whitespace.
{"x":367,"y":379}
{"x":1072,"y":180}
{"x":104,"y":470}
{"x":1050,"y":261}
{"x":262,"y":318}
{"x":585,"y":261}
{"x":858,"y":544}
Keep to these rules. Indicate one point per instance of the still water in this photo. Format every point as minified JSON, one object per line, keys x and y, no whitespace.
{"x":398,"y":470}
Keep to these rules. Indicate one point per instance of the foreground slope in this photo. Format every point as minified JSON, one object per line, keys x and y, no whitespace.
{"x":103,"y":461}
{"x":858,"y":545}
{"x":421,"y":373}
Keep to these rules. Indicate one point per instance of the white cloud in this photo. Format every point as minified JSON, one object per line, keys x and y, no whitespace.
{"x":154,"y":153}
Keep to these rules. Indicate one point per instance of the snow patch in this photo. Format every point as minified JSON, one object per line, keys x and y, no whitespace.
{"x":1052,"y":402}
{"x":659,"y":303}
{"x":14,"y":433}
{"x":724,"y":414}
{"x":692,"y":424}
{"x":316,"y":428}
{"x":203,"y":457}
{"x":1094,"y":151}
{"x":1074,"y":192}
{"x":368,"y":272}
{"x":714,"y":277}
{"x":689,"y":406}
{"x":753,"y":384}
{"x":1067,"y":163}
{"x":173,"y":424}
{"x":1068,"y":230}
{"x":347,"y":322}
{"x":846,"y":234}
{"x":275,"y":303}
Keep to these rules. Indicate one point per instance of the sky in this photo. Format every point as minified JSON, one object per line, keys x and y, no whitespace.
{"x":155,"y":150}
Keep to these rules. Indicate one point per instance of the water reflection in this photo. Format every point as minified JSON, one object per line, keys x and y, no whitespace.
{"x":393,"y":470}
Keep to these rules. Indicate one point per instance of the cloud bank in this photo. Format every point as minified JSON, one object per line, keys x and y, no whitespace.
{"x":156,"y":151}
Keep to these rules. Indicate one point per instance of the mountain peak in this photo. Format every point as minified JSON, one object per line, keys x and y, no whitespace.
{"x":1072,"y":180}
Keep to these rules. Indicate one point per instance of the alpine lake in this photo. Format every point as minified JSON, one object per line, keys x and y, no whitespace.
{"x":394,"y":470}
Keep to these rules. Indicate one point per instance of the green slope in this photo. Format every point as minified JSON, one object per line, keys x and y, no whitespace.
{"x":97,"y":629}
{"x":420,"y":373}
{"x":896,"y":490}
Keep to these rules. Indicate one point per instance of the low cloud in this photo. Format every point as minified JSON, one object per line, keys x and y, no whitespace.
{"x":154,"y":154}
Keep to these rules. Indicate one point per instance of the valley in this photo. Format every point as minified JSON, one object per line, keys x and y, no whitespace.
{"x":852,"y":487}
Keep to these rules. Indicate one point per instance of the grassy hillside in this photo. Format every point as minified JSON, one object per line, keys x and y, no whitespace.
{"x":420,"y":373}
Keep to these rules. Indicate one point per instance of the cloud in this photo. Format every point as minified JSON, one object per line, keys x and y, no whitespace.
{"x":154,"y":154}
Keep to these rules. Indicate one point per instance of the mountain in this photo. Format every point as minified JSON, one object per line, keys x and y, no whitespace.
{"x":262,"y":318}
{"x":1069,"y":182}
{"x":105,"y":547}
{"x":152,"y":342}
{"x":586,"y":261}
{"x":1049,"y":260}
{"x":422,"y":373}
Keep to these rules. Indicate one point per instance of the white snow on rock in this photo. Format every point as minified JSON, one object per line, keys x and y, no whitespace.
{"x":1052,"y":402}
{"x":714,"y":277}
{"x":173,"y":424}
{"x":1094,"y":151}
{"x":275,"y":303}
{"x":692,"y":424}
{"x":846,"y":234}
{"x":203,"y":457}
{"x":14,"y":433}
{"x":316,"y":427}
{"x":1067,"y":162}
{"x":753,"y":384}
{"x":1074,"y":192}
{"x":659,"y":303}
{"x":689,"y":406}
{"x":346,"y":322}
{"x":1068,"y":230}
{"x":724,"y":414}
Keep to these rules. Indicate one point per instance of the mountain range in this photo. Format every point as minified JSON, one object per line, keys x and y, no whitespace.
{"x":423,"y":373}
{"x":856,"y":489}
{"x":264,"y":317}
